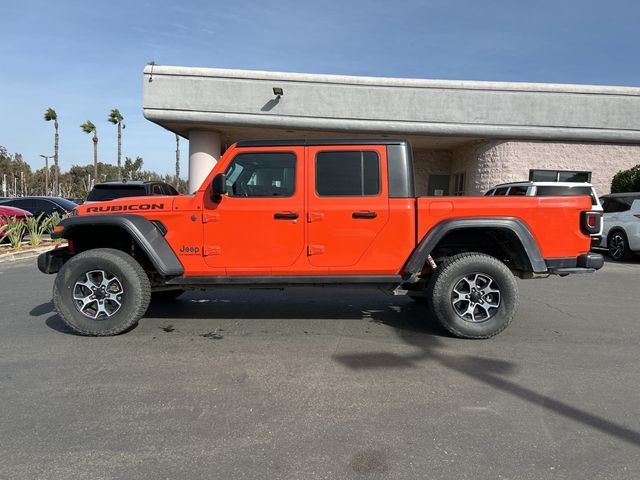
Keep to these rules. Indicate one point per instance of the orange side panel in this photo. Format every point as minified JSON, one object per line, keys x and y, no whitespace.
{"x":553,"y":221}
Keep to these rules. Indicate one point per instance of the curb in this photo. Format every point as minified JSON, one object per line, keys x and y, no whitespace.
{"x":26,"y":254}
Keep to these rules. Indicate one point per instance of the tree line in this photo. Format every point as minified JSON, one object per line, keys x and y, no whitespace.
{"x":18,"y":179}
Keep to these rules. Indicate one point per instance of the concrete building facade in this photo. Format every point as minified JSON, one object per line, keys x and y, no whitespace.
{"x":467,"y":136}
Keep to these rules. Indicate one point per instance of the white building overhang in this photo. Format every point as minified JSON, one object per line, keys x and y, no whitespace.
{"x":240,"y":104}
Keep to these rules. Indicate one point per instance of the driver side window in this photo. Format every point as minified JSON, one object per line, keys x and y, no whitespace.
{"x":262,"y":175}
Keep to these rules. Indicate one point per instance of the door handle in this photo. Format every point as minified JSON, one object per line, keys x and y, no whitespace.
{"x":364,"y":215}
{"x":285,"y":216}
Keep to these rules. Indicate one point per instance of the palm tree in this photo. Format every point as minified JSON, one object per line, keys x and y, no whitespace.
{"x":116,"y":118}
{"x":50,"y":114}
{"x":177,"y":160}
{"x":89,"y":127}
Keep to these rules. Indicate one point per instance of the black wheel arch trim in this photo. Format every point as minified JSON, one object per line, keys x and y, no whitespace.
{"x":416,"y":261}
{"x":149,"y":238}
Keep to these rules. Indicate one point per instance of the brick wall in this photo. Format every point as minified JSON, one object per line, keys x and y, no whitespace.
{"x":487,"y":163}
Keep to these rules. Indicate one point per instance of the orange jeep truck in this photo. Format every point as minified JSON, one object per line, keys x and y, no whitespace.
{"x":316,"y":213}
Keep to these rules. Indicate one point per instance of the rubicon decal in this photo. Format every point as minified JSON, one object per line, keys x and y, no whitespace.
{"x":126,"y":208}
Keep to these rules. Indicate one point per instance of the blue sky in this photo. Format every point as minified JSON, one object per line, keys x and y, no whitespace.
{"x":85,"y":58}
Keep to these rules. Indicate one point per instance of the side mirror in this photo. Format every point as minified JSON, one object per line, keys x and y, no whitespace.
{"x":219,"y":186}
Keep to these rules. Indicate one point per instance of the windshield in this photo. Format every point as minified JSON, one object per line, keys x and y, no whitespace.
{"x":68,"y":205}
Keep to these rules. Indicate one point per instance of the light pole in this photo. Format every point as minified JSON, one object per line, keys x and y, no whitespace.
{"x":46,"y":172}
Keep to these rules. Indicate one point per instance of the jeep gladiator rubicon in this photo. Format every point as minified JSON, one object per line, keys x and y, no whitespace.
{"x":316,"y":213}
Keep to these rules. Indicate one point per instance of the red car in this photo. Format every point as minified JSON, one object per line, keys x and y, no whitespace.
{"x":6,"y":212}
{"x":12,"y":212}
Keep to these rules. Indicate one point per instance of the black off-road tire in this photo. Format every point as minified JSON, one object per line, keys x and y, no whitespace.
{"x":134,"y":299}
{"x":450,"y":274}
{"x":618,"y":246}
{"x":165,"y":296}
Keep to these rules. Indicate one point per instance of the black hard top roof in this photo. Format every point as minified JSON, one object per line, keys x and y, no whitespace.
{"x":126,"y":182}
{"x":320,"y":141}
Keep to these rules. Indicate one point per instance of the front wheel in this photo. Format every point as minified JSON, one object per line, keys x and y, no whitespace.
{"x":473,"y":295}
{"x":101,"y":292}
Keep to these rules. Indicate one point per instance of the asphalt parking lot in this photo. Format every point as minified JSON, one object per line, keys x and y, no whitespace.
{"x":325,"y":383}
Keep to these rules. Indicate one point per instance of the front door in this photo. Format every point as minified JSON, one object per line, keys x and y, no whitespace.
{"x":259,"y":224}
{"x":348,"y":202}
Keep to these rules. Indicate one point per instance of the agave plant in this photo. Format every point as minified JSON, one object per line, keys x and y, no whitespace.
{"x":37,"y":228}
{"x":54,"y":220}
{"x":3,"y":229}
{"x":15,"y":231}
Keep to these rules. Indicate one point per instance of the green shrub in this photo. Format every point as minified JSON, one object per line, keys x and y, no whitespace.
{"x":15,"y":231}
{"x":3,"y":229}
{"x":626,"y":181}
{"x":54,"y":220}
{"x":37,"y":228}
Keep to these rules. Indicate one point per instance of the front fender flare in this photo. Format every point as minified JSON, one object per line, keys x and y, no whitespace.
{"x":143,"y":232}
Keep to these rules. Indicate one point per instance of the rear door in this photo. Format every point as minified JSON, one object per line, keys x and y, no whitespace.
{"x":347,"y":202}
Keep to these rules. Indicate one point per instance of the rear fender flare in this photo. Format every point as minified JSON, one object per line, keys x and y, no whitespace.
{"x":417,"y":260}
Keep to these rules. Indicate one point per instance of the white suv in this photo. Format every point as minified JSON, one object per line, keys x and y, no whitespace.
{"x":621,"y":221}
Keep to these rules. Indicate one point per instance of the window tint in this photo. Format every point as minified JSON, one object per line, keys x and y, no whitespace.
{"x":109,"y":192}
{"x":46,"y":207}
{"x":559,"y":176}
{"x":156,"y":189}
{"x":520,"y":191}
{"x":574,"y":177}
{"x":65,"y":204}
{"x":501,"y":191}
{"x":619,"y":204}
{"x":262,"y":175}
{"x":169,"y":190}
{"x":543,"y":175}
{"x":560,"y":191}
{"x":489,"y":193}
{"x":347,"y":174}
{"x":23,"y":203}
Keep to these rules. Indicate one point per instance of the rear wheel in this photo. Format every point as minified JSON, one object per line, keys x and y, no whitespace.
{"x":618,"y":246}
{"x":101,"y":292}
{"x":473,"y":295}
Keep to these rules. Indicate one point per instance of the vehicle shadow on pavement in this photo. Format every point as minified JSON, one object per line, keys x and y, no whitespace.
{"x":41,"y":309}
{"x":54,"y":322}
{"x":491,"y":372}
{"x":411,"y":322}
{"x":398,"y":312}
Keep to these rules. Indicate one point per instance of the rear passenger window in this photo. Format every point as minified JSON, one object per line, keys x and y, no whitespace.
{"x":518,"y":191}
{"x":618,"y":204}
{"x":347,"y":174}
